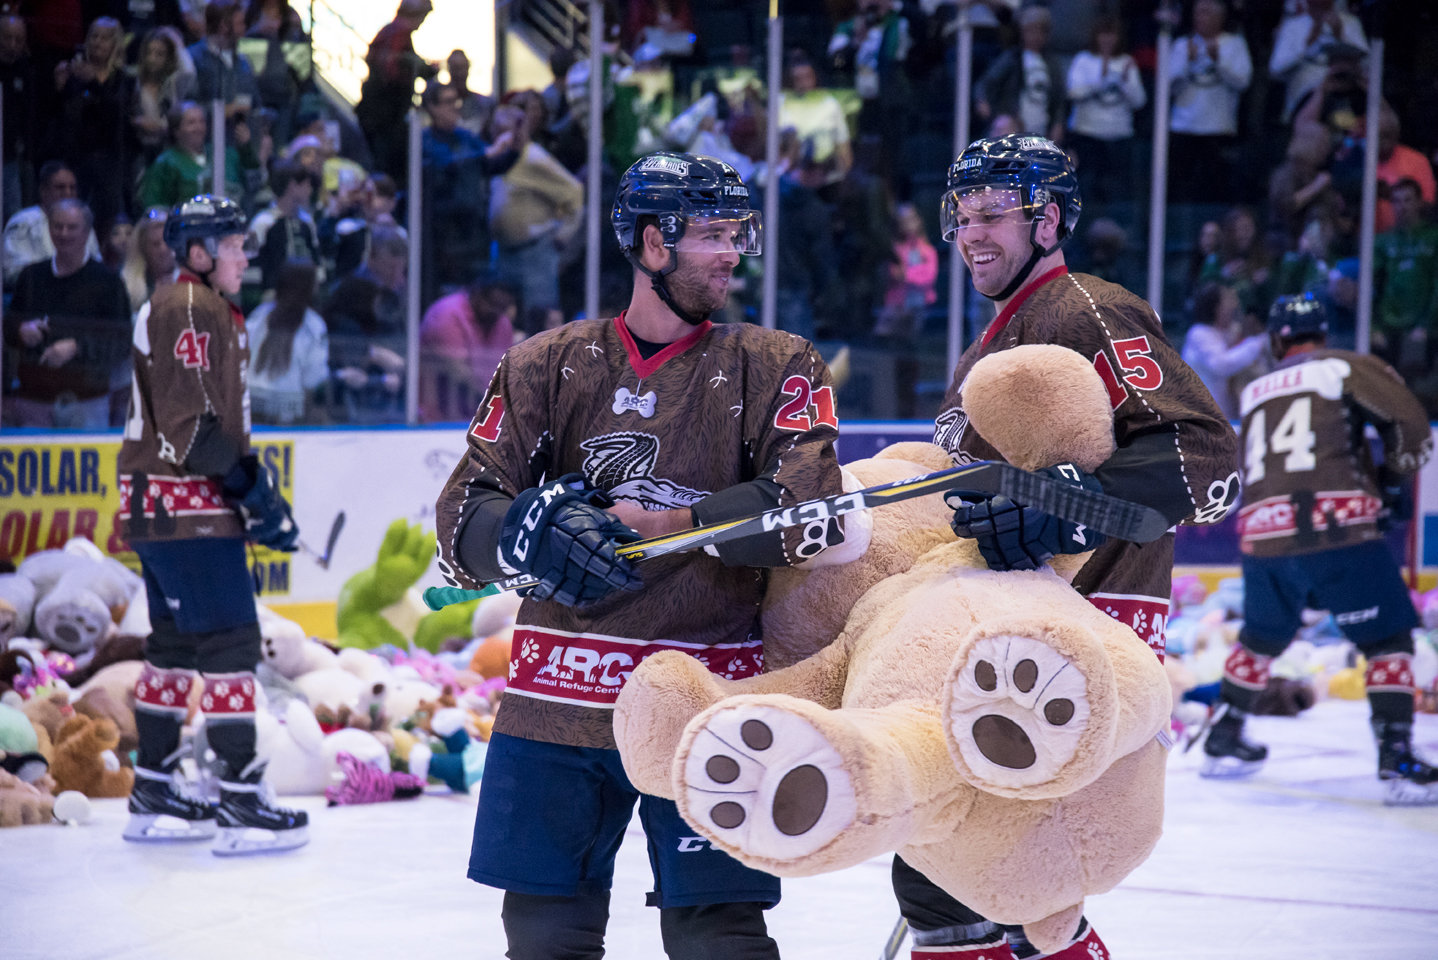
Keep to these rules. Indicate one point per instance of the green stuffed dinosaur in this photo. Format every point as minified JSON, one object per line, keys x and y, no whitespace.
{"x":376,"y":606}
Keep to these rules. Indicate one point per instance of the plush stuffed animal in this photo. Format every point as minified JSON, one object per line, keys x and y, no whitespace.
{"x":22,"y":803}
{"x":996,"y":729}
{"x":85,"y":758}
{"x":80,"y":594}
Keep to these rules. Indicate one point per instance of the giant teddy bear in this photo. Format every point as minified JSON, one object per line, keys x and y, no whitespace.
{"x":996,"y":729}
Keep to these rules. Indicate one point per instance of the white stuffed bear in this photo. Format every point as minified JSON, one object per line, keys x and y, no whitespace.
{"x":300,"y":759}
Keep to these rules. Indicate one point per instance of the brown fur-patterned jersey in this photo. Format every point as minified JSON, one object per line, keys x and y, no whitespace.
{"x":1188,"y":466}
{"x":725,"y":405}
{"x":1309,"y":481}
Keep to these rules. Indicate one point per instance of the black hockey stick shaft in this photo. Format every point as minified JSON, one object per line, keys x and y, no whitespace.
{"x":1122,"y":519}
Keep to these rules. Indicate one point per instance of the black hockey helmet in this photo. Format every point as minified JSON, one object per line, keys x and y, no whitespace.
{"x":675,"y":187}
{"x":1295,"y":316}
{"x":204,"y":217}
{"x":1036,"y":167}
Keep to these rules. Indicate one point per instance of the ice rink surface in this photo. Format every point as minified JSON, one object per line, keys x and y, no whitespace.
{"x":1300,"y":863}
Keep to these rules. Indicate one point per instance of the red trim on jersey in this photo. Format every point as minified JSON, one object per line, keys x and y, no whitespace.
{"x":645,"y":367}
{"x":1007,"y":313}
{"x":185,"y":275}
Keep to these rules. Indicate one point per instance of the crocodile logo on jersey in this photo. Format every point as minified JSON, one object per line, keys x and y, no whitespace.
{"x":949,"y":428}
{"x":623,"y":465}
{"x":643,"y":403}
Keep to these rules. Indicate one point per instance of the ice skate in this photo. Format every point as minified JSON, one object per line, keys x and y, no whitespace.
{"x":250,"y":822}
{"x":1411,"y":782}
{"x":1227,"y":754}
{"x":161,"y":811}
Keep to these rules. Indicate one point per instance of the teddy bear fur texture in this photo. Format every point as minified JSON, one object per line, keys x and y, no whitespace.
{"x":995,"y":729}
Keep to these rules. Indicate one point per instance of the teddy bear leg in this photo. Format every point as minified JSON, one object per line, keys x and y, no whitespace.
{"x":1053,"y":933}
{"x":790,"y":787}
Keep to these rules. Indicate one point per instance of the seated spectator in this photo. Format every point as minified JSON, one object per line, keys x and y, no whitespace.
{"x":1303,"y":45}
{"x":1210,"y":69}
{"x":1026,"y":82}
{"x":221,"y":71}
{"x":1242,"y":263}
{"x":819,"y":121}
{"x":331,"y":171}
{"x":1216,"y":346}
{"x":27,"y":234}
{"x":22,"y":111}
{"x":808,"y":290}
{"x":1340,"y":298}
{"x":1304,"y":269}
{"x":164,"y":76}
{"x":1210,"y":235}
{"x":461,"y":341}
{"x":184,"y":169}
{"x":457,"y":169}
{"x":149,"y":262}
{"x":289,"y":349}
{"x":285,"y":230}
{"x":912,"y":276}
{"x":1105,"y":90}
{"x":1397,"y":162}
{"x":365,"y":314}
{"x":69,"y":325}
{"x":93,"y":126}
{"x":345,"y":228}
{"x":1405,"y":283}
{"x":535,"y":210}
{"x":116,"y":242}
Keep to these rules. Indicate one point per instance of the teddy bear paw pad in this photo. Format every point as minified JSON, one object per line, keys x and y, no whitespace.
{"x":767,"y":781}
{"x":1017,"y":709}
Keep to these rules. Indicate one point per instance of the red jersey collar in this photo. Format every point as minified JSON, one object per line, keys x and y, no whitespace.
{"x":184,"y":275}
{"x":645,"y":367}
{"x":1007,"y":314}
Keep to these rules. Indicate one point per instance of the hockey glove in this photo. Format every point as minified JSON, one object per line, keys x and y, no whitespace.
{"x":1015,"y":537}
{"x":1397,"y":498}
{"x":560,"y":534}
{"x":264,"y":510}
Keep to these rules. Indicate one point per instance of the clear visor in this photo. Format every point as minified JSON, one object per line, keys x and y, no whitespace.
{"x":741,"y":233}
{"x":980,"y":207}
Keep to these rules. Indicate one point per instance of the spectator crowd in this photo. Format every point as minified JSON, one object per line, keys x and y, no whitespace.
{"x":108,"y":124}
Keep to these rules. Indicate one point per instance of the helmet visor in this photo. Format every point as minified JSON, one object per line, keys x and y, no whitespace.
{"x":740,"y":232}
{"x":985,"y":206}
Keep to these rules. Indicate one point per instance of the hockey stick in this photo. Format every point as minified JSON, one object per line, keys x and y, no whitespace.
{"x":1112,"y":516}
{"x":324,"y":560}
{"x":896,"y":940}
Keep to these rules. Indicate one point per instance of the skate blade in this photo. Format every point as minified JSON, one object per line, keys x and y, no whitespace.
{"x":246,"y":841}
{"x":1406,"y":793}
{"x":163,"y":828}
{"x":1228,"y":768}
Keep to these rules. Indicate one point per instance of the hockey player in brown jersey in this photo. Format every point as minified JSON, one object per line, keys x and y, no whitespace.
{"x":191,"y":494}
{"x":1010,"y":205}
{"x":589,"y":435}
{"x":1311,"y":534}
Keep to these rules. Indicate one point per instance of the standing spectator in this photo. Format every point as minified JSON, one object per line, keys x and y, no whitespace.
{"x":1215,"y":346}
{"x":1206,"y":245}
{"x":278,"y":84}
{"x":1105,"y":89}
{"x":461,"y":341}
{"x":457,"y":168}
{"x":345,"y":233}
{"x":1397,"y":162}
{"x":808,"y":289}
{"x":1209,"y":69}
{"x":912,"y":275}
{"x":94,"y":123}
{"x":285,"y":230}
{"x":875,"y":44}
{"x":1301,"y":188}
{"x":18,"y":85}
{"x":819,"y":121}
{"x":535,"y":208}
{"x":1339,"y":297}
{"x":1406,"y":284}
{"x":70,"y":323}
{"x":289,"y":348}
{"x":27,"y":234}
{"x":1026,"y":82}
{"x":388,"y":92}
{"x":1302,"y":47}
{"x":475,"y":109}
{"x":183,"y":170}
{"x":116,"y":242}
{"x":164,"y":77}
{"x":150,"y":261}
{"x":365,"y":315}
{"x":1311,"y":532}
{"x":221,"y":71}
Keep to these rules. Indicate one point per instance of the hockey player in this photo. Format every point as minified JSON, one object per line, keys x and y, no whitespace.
{"x":1010,"y":205}
{"x":590,"y":435}
{"x":191,"y":494}
{"x":1310,"y":534}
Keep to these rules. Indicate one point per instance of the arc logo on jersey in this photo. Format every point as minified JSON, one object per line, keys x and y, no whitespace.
{"x":641,"y":403}
{"x":623,"y":465}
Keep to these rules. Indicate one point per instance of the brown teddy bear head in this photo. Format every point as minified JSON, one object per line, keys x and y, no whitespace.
{"x":85,"y":759}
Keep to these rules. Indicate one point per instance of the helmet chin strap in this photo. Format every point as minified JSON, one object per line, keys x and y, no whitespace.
{"x":661,"y":288}
{"x":1039,"y":252}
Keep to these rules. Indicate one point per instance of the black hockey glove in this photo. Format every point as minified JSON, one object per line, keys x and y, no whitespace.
{"x":266,"y":514}
{"x":1397,"y":496}
{"x":560,"y":534}
{"x":1014,"y":537}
